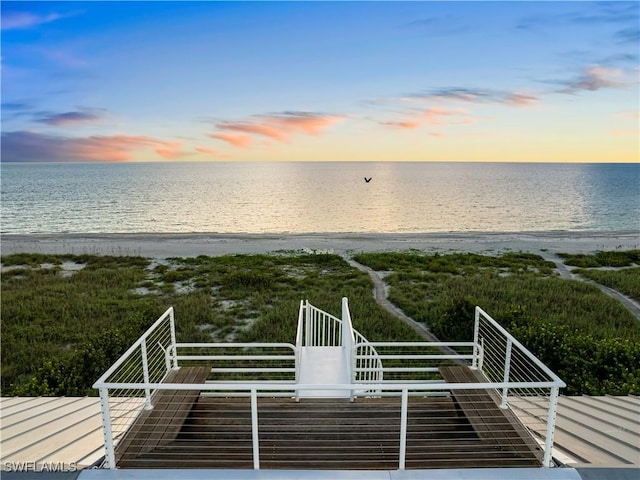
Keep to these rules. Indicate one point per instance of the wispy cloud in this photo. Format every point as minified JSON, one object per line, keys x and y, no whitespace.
{"x":237,"y":140}
{"x":254,"y":129}
{"x":628,"y":35}
{"x":433,"y":116}
{"x":477,"y":95}
{"x":592,"y":78}
{"x":16,"y":106}
{"x":280,"y":127}
{"x":437,"y":26}
{"x":602,"y":13}
{"x":79,"y":117}
{"x":25,"y":146}
{"x":405,"y":124}
{"x":14,"y":20}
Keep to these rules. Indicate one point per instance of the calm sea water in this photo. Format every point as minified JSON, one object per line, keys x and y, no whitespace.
{"x":318,"y":197}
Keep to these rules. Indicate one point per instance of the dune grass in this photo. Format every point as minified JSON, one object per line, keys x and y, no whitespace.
{"x":588,"y":338}
{"x":66,"y":318}
{"x":602,"y":259}
{"x":626,"y":281}
{"x":61,"y":329}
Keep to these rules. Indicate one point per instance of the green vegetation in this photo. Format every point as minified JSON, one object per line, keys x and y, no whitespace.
{"x":65,"y":319}
{"x":602,"y":259}
{"x":599,"y":268}
{"x":588,"y":338}
{"x":626,"y":281}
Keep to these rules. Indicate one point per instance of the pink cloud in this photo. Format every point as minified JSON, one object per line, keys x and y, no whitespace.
{"x":118,"y":148}
{"x":24,"y":146}
{"x":310,"y":124}
{"x":409,"y":125}
{"x":237,"y":140}
{"x":595,"y":78}
{"x":253,"y":128}
{"x":521,"y":99}
{"x":279,"y":127}
{"x":433,"y":116}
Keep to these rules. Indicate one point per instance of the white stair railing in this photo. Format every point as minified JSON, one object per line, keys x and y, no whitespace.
{"x":510,"y":369}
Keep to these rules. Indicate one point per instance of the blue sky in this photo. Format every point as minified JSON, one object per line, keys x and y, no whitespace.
{"x":405,"y":81}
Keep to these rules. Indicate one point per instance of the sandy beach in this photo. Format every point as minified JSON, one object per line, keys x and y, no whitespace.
{"x":194,"y":244}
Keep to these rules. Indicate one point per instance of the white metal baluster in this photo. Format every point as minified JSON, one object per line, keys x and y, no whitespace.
{"x":551,"y":422}
{"x":109,"y":449}
{"x":309,"y":333}
{"x":145,"y":373}
{"x":174,"y":350}
{"x":403,"y":428}
{"x":476,"y":330}
{"x":507,"y":368}
{"x":254,"y":429}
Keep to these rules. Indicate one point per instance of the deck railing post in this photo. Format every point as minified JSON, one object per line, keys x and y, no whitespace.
{"x":307,"y":329}
{"x":476,"y":332}
{"x":254,"y":429}
{"x":110,"y":456}
{"x":403,"y":428}
{"x":145,"y":373}
{"x":507,"y":368}
{"x":172,"y":327}
{"x":347,"y":339}
{"x":551,"y":422}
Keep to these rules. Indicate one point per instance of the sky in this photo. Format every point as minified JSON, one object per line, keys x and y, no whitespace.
{"x":320,"y":81}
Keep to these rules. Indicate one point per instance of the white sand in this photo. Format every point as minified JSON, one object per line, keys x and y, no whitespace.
{"x":190,"y":245}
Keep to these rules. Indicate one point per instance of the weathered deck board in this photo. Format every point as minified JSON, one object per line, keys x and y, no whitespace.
{"x":326,"y":434}
{"x":162,"y":424}
{"x":493,"y":424}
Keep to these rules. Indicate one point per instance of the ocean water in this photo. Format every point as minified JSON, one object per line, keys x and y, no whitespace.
{"x":301,"y":197}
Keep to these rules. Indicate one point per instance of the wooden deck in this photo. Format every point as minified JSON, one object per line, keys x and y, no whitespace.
{"x":162,"y":424}
{"x":496,"y":426}
{"x":319,"y":433}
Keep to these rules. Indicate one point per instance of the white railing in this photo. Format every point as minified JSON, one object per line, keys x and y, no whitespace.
{"x":514,"y":370}
{"x":390,"y":369}
{"x":242,"y":361}
{"x":147,"y":361}
{"x":321,"y":329}
{"x":404,"y":391}
{"x":408,"y":362}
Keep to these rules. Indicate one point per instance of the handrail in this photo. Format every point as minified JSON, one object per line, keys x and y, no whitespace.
{"x":521,"y":347}
{"x":331,"y":386}
{"x":299,"y":328}
{"x":348,"y":339}
{"x":138,"y":343}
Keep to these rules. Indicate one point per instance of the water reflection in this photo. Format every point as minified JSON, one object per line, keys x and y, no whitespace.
{"x":318,"y":197}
